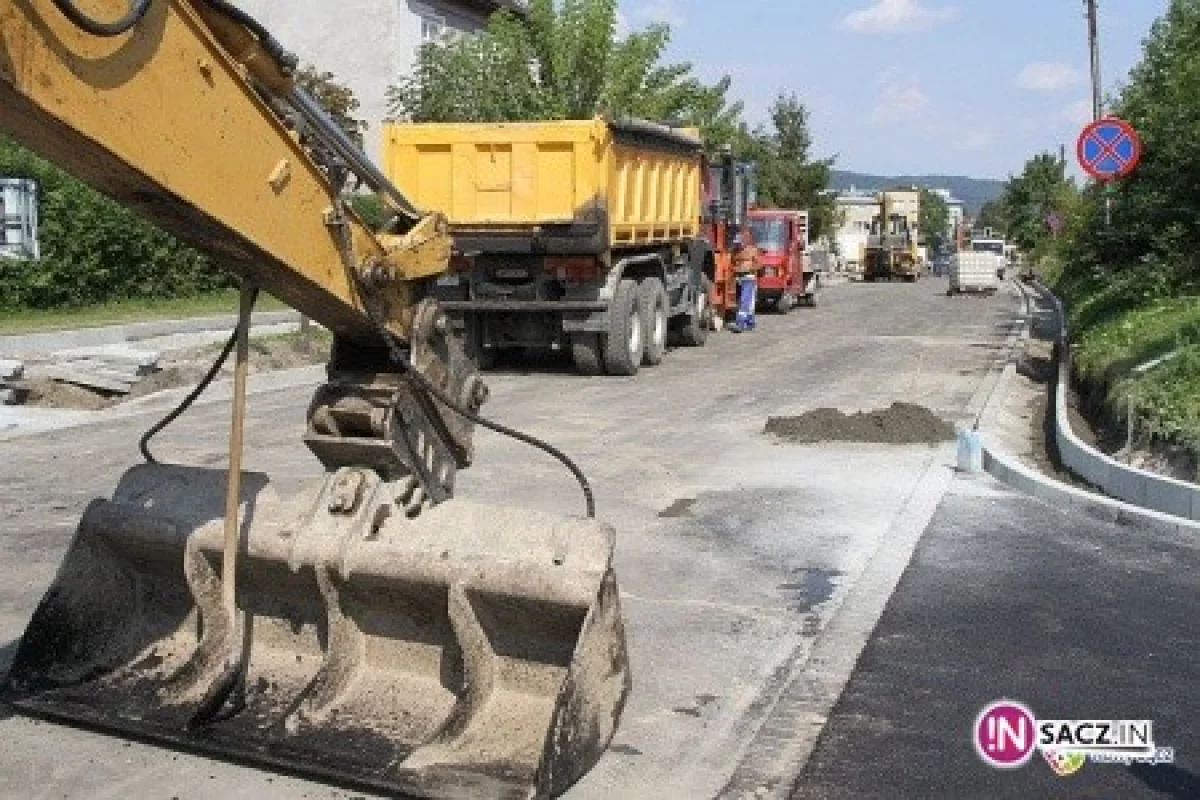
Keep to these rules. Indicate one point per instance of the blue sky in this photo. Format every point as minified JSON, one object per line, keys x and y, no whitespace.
{"x":964,"y":87}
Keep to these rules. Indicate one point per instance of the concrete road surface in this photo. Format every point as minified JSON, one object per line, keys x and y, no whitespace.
{"x":738,"y":558}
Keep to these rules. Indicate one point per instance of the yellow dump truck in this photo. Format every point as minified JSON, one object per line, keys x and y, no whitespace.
{"x":579,"y":234}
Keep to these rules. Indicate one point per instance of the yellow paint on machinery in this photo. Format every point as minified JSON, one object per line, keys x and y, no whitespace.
{"x":160,"y":120}
{"x":509,"y":176}
{"x":376,"y":629}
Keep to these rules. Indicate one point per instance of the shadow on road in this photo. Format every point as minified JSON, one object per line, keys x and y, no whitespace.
{"x":7,"y":651}
{"x":1167,"y":780}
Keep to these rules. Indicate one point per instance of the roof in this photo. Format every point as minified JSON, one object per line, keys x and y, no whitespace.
{"x":492,"y":6}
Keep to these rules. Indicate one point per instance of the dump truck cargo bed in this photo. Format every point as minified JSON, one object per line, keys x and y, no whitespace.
{"x":561,"y":187}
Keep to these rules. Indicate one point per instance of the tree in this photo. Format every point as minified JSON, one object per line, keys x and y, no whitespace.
{"x":788,"y":176}
{"x":1150,"y":249}
{"x":1030,"y":201}
{"x":991,"y":215}
{"x":563,"y":60}
{"x":93,"y":250}
{"x":934,"y":222}
{"x":337,"y":100}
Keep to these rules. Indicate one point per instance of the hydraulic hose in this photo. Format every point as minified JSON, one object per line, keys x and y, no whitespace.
{"x":283,"y":57}
{"x":137,"y":10}
{"x":186,"y":403}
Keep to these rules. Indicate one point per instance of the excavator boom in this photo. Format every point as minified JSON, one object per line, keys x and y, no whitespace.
{"x":374,"y":629}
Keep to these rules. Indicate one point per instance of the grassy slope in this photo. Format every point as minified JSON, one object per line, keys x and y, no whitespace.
{"x":1110,"y":341}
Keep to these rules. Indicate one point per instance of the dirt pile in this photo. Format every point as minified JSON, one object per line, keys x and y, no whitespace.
{"x":185,"y":368}
{"x":902,"y":423}
{"x":53,"y":394}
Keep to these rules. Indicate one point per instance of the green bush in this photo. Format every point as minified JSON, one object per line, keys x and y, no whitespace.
{"x":93,"y":250}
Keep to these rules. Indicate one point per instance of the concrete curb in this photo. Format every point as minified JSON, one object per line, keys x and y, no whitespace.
{"x":27,"y":344}
{"x":1154,"y":501}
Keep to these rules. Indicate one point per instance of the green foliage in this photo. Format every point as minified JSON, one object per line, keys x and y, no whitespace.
{"x":93,"y":250}
{"x":788,"y":176}
{"x":1042,"y":189}
{"x":337,"y":100}
{"x":564,"y":61}
{"x":991,"y":216}
{"x":934,"y":222}
{"x":1131,"y":285}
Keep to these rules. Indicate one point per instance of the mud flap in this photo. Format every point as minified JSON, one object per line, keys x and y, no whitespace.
{"x":471,"y":652}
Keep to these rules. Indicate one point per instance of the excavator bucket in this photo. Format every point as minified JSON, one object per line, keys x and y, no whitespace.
{"x":470,"y":651}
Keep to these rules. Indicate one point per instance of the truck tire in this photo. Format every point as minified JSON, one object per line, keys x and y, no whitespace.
{"x":625,"y":342}
{"x":784,"y":304}
{"x":652,"y":308}
{"x":698,"y":321}
{"x":585,"y":350}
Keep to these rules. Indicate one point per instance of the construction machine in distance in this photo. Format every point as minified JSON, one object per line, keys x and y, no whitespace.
{"x":786,"y":277}
{"x":375,"y":630}
{"x":729,"y":191}
{"x":891,"y":249}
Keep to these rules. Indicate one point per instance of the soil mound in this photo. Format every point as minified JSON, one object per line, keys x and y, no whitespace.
{"x":902,"y":423}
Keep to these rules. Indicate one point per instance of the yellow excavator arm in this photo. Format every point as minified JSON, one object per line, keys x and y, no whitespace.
{"x":367,"y":630}
{"x":176,"y":119}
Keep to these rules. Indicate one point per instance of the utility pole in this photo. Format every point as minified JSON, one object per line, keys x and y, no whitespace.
{"x":1097,"y":90}
{"x":1094,"y":49}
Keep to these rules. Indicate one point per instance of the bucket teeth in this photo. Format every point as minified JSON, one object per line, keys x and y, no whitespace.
{"x":470,"y":652}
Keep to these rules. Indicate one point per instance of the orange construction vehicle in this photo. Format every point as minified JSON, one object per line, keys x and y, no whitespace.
{"x":729,"y":193}
{"x":786,"y":277}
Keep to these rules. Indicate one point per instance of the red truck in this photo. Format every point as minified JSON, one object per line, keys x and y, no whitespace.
{"x":786,"y":277}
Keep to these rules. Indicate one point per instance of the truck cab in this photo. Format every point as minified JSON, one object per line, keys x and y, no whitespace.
{"x":781,"y":236}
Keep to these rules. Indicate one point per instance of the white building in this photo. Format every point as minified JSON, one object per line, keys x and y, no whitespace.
{"x":368,"y":44}
{"x":854,"y":210}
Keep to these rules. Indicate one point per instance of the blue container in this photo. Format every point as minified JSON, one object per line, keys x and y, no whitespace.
{"x":970,"y":451}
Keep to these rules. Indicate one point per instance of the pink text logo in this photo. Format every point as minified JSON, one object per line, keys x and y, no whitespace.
{"x":1005,"y":734}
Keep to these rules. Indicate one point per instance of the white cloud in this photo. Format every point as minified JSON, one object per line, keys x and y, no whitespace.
{"x":664,"y":11}
{"x":1048,"y":76}
{"x":900,"y":98}
{"x":897,"y":16}
{"x":1078,"y":113}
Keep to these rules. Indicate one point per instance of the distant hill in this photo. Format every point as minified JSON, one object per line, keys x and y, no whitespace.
{"x":974,"y":192}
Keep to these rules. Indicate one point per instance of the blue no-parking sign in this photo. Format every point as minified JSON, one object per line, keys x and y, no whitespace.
{"x":1109,"y":149}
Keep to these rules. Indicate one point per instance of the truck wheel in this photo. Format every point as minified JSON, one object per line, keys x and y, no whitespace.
{"x":652,"y":308}
{"x":585,"y":350}
{"x":698,"y":322}
{"x":784,"y":304}
{"x":625,"y":344}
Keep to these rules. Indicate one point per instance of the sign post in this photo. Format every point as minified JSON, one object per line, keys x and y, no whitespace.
{"x":1109,"y":149}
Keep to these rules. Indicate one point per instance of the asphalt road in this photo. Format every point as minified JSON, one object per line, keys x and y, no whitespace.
{"x":742,"y":562}
{"x":1008,"y":597}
